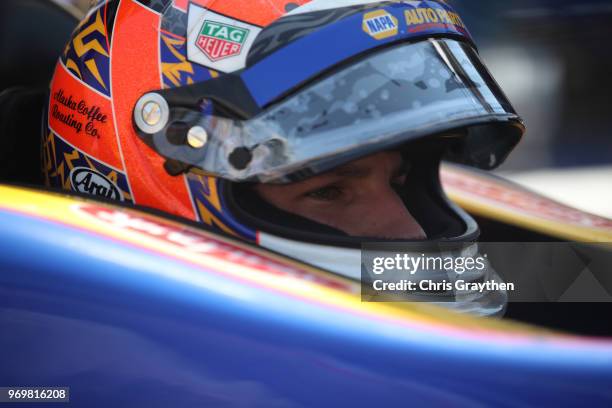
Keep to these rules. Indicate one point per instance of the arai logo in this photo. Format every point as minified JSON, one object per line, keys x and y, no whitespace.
{"x":380,"y":24}
{"x":218,"y":40}
{"x":88,"y":181}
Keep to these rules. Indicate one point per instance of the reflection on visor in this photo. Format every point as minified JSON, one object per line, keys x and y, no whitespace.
{"x":396,"y":95}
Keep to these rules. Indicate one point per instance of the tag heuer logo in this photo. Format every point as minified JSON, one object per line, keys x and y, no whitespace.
{"x":218,"y":41}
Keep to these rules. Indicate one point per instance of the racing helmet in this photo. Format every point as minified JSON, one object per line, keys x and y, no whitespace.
{"x":182,"y":106}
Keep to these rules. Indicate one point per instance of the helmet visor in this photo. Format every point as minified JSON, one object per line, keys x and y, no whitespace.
{"x":397,"y":94}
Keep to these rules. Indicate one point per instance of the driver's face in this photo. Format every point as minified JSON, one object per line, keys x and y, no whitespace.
{"x":357,"y":198}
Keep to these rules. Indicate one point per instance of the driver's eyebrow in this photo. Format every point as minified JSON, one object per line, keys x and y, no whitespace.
{"x":353,"y":171}
{"x":359,"y":170}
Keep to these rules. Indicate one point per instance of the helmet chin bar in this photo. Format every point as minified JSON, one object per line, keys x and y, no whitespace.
{"x":346,"y":262}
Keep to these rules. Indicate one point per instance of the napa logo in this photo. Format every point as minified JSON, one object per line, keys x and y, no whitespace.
{"x":87,"y":181}
{"x":380,"y":24}
{"x":218,"y":40}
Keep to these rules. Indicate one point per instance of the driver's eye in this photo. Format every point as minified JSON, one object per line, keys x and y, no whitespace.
{"x":399,"y":180}
{"x":400,"y":177}
{"x":328,"y":193}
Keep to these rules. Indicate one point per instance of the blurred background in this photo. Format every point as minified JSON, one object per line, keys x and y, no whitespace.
{"x":554,"y":60}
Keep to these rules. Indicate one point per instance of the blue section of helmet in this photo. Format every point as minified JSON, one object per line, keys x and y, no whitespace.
{"x":87,"y":55}
{"x":217,"y":216}
{"x":335,"y":43}
{"x":176,"y":70}
{"x":64,"y":159}
{"x":243,"y":230}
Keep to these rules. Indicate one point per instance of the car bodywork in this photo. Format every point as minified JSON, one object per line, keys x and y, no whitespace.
{"x":130,"y":308}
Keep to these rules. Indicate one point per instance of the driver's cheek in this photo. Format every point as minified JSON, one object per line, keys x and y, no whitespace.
{"x":380,"y":214}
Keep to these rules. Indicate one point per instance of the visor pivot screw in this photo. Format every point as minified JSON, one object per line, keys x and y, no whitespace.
{"x":151,"y":113}
{"x":197,"y":137}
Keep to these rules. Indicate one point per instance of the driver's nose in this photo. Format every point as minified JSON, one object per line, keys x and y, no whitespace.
{"x":389,"y":218}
